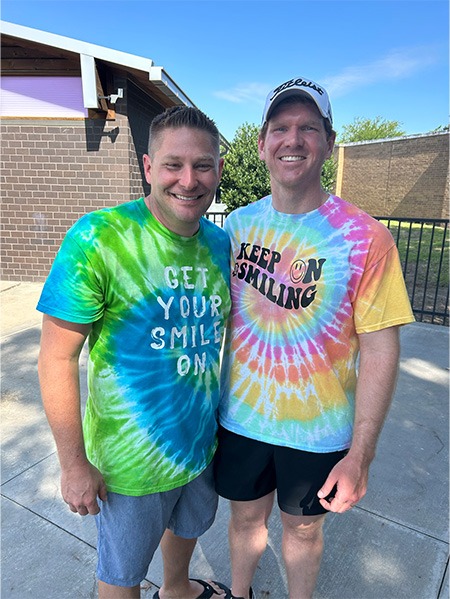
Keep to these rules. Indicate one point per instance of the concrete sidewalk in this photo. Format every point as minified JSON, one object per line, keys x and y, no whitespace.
{"x":393,"y":545}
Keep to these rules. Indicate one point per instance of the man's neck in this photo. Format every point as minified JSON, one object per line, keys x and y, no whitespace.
{"x":296,"y":202}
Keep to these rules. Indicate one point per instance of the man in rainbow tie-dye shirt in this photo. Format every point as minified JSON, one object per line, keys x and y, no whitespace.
{"x":316,"y":283}
{"x":147,"y":282}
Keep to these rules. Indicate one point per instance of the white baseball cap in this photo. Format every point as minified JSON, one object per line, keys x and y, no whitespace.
{"x":299,"y":86}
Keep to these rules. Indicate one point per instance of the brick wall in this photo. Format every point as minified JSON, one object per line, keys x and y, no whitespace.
{"x":51,"y":175}
{"x":53,"y":172}
{"x":405,"y":177}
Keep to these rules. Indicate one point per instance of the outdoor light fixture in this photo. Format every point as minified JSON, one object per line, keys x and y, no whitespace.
{"x":113,"y":97}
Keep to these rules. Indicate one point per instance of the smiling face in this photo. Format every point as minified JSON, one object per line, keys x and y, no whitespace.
{"x":294,"y":147}
{"x":184,"y":171}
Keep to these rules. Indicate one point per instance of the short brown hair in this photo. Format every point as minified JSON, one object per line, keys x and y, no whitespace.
{"x":182,"y":116}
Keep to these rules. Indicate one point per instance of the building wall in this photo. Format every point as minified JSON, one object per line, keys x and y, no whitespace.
{"x":53,"y":172}
{"x":403,"y":177}
{"x":141,"y":110}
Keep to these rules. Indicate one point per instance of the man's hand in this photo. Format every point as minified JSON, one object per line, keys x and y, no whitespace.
{"x":80,"y":486}
{"x":349,"y":479}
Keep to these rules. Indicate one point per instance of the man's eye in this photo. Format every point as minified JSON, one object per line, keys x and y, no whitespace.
{"x":204,"y":167}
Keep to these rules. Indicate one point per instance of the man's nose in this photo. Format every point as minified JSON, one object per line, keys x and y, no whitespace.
{"x":188,"y":178}
{"x":294,"y":137}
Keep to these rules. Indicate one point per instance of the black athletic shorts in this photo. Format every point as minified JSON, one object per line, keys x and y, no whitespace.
{"x":246,"y":469}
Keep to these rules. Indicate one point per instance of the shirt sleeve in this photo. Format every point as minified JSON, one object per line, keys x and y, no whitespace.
{"x":72,"y":291}
{"x":382,"y":298}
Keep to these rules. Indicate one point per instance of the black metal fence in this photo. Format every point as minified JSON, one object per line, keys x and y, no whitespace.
{"x":424,"y":253}
{"x":217,"y":217}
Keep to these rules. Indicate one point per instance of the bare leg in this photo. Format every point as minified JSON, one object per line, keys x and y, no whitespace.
{"x":248,"y":540}
{"x":109,"y":591}
{"x":302,"y":552}
{"x":177,"y":553}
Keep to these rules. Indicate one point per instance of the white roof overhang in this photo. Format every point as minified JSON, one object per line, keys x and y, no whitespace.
{"x":90,"y":52}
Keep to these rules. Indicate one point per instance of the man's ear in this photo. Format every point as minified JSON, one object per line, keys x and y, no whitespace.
{"x":147,"y":168}
{"x":261,"y":146}
{"x":331,"y":142}
{"x":221,"y":163}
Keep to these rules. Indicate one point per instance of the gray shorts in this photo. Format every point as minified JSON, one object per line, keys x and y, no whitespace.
{"x":130,"y":528}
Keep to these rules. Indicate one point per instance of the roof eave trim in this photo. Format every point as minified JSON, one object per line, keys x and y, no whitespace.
{"x":72,"y":45}
{"x":88,"y":81}
{"x":167,"y":85}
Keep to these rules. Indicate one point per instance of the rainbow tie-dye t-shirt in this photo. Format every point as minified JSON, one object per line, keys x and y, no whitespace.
{"x":303,"y":287}
{"x":158,"y":303}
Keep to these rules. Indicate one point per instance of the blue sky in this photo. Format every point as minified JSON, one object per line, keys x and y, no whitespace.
{"x":385,"y":58}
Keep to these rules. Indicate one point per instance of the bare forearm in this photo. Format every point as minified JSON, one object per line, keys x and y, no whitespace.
{"x":60,"y":390}
{"x":58,"y":367}
{"x":375,"y":388}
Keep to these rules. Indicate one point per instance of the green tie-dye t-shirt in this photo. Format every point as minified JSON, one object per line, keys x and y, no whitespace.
{"x":158,"y":303}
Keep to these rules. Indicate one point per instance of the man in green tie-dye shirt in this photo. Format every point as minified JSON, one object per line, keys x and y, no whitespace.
{"x":146,"y":283}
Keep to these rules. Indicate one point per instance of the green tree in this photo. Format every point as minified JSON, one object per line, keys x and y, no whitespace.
{"x":368,"y":129}
{"x":245,"y":177}
{"x":329,"y":171}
